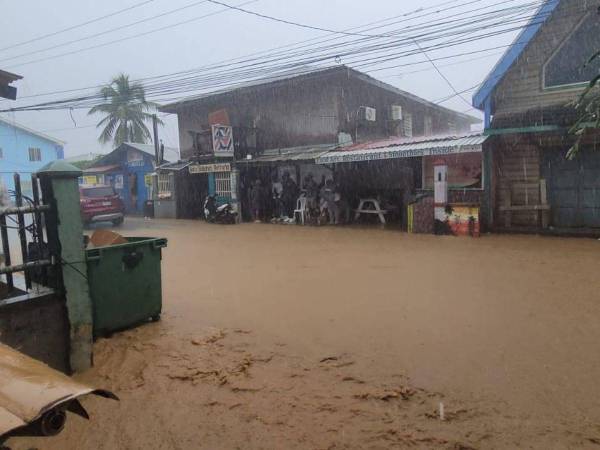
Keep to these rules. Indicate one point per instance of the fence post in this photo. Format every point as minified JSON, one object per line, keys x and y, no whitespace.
{"x":60,"y":188}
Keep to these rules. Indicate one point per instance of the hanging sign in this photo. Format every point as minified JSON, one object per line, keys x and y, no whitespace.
{"x":210,"y":168}
{"x":222,"y":140}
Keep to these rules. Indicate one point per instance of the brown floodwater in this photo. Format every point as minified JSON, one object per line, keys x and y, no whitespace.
{"x":278,"y":336}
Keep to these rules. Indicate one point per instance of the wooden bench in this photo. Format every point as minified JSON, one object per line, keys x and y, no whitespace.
{"x":376,"y":209}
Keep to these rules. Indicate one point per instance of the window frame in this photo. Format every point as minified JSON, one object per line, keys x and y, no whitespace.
{"x":35,"y":154}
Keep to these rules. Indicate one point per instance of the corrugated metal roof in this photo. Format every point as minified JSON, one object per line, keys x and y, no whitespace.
{"x":304,"y":153}
{"x":102,"y":169}
{"x":171,"y":154}
{"x":405,"y":148}
{"x":177,"y":166}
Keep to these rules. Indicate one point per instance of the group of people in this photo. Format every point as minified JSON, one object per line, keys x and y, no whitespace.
{"x":323,"y":201}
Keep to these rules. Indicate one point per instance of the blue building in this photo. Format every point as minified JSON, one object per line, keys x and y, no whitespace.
{"x":128,"y":169}
{"x":24,"y":151}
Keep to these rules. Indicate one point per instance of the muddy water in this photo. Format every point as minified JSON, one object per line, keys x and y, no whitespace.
{"x":299,"y":337}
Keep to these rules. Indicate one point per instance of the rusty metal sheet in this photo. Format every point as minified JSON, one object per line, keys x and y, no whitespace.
{"x":29,"y":389}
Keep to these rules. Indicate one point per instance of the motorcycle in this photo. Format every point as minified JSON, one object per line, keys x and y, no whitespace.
{"x":224,"y":214}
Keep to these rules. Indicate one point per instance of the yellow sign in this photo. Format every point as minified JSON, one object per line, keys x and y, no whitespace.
{"x":148,"y":180}
{"x":90,"y":179}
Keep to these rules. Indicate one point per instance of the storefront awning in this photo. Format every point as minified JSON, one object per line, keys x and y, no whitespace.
{"x":305,"y":153}
{"x":405,"y":148}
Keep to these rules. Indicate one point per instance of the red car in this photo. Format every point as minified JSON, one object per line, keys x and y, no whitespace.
{"x":101,"y":204}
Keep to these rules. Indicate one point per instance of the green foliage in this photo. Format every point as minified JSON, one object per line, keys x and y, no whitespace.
{"x":588,"y":111}
{"x":125,"y":111}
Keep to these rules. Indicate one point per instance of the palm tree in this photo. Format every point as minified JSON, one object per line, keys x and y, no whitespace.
{"x":126,"y":111}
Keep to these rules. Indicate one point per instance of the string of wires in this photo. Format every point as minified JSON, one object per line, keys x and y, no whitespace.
{"x":361,"y":52}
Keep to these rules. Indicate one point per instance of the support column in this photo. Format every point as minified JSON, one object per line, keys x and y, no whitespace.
{"x":60,"y":189}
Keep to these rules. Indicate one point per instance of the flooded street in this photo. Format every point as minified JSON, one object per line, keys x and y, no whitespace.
{"x":280,"y":336}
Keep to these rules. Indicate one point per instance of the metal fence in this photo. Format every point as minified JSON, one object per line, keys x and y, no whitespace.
{"x":36,"y":258}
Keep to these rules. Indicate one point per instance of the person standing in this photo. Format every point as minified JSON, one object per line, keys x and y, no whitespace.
{"x":289,"y":194}
{"x":256,"y":194}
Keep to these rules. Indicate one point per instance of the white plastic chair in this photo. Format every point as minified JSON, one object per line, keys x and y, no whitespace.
{"x":301,"y":208}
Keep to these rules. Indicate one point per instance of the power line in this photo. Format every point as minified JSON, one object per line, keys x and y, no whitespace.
{"x":295,"y":44}
{"x":226,"y":77}
{"x":112,"y":30}
{"x":127,"y":38}
{"x":19,"y":44}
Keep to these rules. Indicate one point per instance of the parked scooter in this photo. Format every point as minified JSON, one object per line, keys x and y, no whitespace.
{"x":224,"y":214}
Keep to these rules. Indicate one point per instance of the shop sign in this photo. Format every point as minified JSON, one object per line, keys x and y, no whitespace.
{"x":210,"y":168}
{"x":222,"y":136}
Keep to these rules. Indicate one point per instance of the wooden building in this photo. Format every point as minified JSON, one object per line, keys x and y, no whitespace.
{"x":527,"y":103}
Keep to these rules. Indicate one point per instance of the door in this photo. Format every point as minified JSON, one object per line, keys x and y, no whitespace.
{"x":574,"y":189}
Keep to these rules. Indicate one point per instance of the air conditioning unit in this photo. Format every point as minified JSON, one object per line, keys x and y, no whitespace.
{"x":368,"y":114}
{"x":395,"y":112}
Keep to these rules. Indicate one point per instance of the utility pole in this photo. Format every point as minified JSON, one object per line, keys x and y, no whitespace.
{"x":156,"y":144}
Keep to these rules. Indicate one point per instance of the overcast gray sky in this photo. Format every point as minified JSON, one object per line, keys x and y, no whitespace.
{"x":211,"y":39}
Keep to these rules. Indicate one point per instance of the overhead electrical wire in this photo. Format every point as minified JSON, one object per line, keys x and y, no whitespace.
{"x":111,"y":30}
{"x":128,"y":37}
{"x":295,"y":44}
{"x":74,"y":27}
{"x":261,"y":66}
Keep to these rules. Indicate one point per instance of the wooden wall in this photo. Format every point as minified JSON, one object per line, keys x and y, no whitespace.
{"x":522,"y":87}
{"x":517,"y":179}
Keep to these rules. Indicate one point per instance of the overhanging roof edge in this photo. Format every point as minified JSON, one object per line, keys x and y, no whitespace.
{"x":513,"y":53}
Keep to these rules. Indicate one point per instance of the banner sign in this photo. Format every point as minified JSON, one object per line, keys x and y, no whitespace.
{"x":210,"y":168}
{"x":374,"y":155}
{"x":222,"y":140}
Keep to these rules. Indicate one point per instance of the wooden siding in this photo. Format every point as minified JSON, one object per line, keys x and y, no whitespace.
{"x":517,"y":181}
{"x":522,"y":87}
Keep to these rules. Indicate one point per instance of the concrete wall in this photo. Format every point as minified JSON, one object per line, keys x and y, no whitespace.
{"x":37,"y":327}
{"x":522,"y":88}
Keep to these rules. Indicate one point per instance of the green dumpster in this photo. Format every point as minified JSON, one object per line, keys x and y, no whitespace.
{"x":125,"y":283}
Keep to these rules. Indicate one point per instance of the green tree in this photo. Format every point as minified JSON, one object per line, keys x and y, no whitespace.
{"x":587,"y":107}
{"x":126,"y":112}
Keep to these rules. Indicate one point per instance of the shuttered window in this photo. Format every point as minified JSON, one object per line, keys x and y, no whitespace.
{"x":407,"y":125}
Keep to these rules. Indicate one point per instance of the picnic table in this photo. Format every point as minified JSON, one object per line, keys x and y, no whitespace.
{"x":370,"y":206}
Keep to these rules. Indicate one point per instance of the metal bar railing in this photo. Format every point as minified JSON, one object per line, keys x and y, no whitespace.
{"x":6,"y":250}
{"x":21,"y":230}
{"x":12,"y":211}
{"x":9,"y":270}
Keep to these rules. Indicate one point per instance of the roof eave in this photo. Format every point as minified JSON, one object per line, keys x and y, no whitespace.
{"x":512,"y":54}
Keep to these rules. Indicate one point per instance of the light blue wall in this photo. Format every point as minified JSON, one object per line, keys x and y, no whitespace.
{"x":15,"y":144}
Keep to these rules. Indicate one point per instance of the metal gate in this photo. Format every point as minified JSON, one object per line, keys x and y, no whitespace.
{"x":28,"y":219}
{"x":574,"y":189}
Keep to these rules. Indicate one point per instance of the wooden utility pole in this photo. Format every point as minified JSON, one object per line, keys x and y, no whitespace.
{"x":157,"y":157}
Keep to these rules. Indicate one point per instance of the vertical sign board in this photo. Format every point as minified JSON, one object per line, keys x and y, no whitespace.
{"x":223,"y":140}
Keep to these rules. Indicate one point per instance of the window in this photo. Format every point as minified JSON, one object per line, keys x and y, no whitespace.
{"x":165,"y":185}
{"x":428,"y":126}
{"x":223,"y":184}
{"x":407,"y":125}
{"x":452,"y":128}
{"x":1,"y":153}
{"x":35,"y":154}
{"x":567,"y":66}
